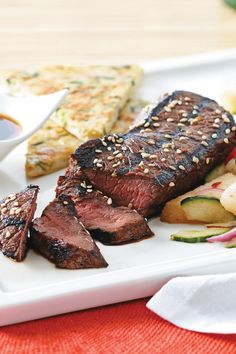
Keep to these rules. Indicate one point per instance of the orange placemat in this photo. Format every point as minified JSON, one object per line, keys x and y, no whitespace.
{"x":124,"y":328}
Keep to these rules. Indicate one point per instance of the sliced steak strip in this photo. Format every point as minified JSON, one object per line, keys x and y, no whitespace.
{"x":110,"y":225}
{"x":16,"y":214}
{"x":181,"y":139}
{"x":61,"y":237}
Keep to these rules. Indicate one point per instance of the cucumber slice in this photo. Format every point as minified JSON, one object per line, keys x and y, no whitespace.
{"x":231,"y":244}
{"x":194,"y":236}
{"x":216,"y":172}
{"x":205,"y":209}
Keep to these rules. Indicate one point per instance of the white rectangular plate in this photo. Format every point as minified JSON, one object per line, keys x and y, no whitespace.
{"x":35,"y":288}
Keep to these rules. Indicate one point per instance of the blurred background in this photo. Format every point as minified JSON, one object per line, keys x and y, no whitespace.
{"x":36,"y":32}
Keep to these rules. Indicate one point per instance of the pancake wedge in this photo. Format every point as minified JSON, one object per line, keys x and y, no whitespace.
{"x":95,"y":100}
{"x":50,"y":147}
{"x":49,"y":150}
{"x":97,"y":94}
{"x":99,"y":90}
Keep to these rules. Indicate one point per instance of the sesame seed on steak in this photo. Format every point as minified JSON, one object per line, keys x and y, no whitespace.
{"x":110,"y":225}
{"x":180,"y":140}
{"x":16,"y":214}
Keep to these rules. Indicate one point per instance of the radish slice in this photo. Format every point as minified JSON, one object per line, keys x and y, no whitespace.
{"x":208,"y":189}
{"x":216,"y":184}
{"x":227,"y":236}
{"x":222,"y":225}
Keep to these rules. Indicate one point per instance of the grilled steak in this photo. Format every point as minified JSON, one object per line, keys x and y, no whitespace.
{"x":181,"y":139}
{"x":110,"y":225}
{"x":61,"y":237}
{"x":16,"y":214}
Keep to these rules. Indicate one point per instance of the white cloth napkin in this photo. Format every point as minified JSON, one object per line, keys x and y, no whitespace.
{"x":198,"y":303}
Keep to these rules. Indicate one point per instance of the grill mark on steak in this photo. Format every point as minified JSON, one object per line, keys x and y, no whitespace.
{"x":108,"y":224}
{"x":153,"y":162}
{"x":61,"y":237}
{"x":7,"y":221}
{"x":16,"y":214}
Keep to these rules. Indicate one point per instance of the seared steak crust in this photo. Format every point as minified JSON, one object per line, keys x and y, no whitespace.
{"x":109,"y":224}
{"x":181,"y":139}
{"x":16,"y":214}
{"x":61,"y":237}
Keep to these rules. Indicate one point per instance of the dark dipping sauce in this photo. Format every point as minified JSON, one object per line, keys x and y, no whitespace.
{"x":9,"y":128}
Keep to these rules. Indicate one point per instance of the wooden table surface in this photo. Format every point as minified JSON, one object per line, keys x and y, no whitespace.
{"x":34,"y":32}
